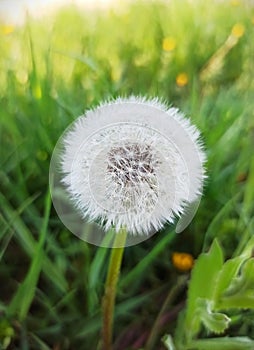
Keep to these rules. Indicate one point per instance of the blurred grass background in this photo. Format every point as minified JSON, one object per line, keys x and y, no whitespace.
{"x":198,"y":56}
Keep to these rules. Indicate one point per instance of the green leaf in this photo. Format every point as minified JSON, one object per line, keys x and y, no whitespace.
{"x":225,"y":343}
{"x":225,"y":277}
{"x":28,"y":243}
{"x":95,"y":276}
{"x":214,"y":321}
{"x":240,"y":293}
{"x":88,"y":61}
{"x":168,"y":342}
{"x":203,"y":280}
{"x":41,"y":344}
{"x":248,"y":250}
{"x":26,"y":291}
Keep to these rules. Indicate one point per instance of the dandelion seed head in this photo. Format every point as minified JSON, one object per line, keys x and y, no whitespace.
{"x":132,"y":163}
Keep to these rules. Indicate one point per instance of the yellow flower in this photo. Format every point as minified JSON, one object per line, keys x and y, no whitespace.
{"x":168,"y":44}
{"x":182,"y":79}
{"x":238,"y":30}
{"x":182,"y":261}
{"x":7,"y":29}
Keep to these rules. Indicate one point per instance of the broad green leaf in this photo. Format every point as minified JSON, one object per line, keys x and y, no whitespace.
{"x":223,"y":343}
{"x":228,"y":277}
{"x":244,"y":281}
{"x":240,"y":293}
{"x":243,"y":300}
{"x":214,"y":321}
{"x":225,"y":276}
{"x":203,"y":281}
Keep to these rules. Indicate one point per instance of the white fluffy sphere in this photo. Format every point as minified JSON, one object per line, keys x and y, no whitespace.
{"x":132,"y":163}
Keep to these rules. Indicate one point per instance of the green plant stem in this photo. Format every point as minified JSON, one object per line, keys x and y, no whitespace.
{"x":168,"y":301}
{"x":108,"y":302}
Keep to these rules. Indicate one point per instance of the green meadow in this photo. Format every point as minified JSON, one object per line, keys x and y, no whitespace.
{"x":194,"y":55}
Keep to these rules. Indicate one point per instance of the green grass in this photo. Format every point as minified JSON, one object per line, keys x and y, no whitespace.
{"x":51,"y":70}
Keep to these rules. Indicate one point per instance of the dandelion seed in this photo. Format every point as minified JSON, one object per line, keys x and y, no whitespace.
{"x":132,"y":163}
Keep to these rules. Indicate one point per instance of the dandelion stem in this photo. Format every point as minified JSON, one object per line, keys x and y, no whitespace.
{"x":108,"y":302}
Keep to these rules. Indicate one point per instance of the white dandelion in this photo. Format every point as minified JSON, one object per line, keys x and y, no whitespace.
{"x":132,"y":163}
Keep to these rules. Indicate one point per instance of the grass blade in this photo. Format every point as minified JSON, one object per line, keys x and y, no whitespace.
{"x":26,"y":291}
